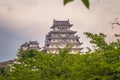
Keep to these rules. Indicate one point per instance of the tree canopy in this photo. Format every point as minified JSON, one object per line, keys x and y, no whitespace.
{"x":101,"y":63}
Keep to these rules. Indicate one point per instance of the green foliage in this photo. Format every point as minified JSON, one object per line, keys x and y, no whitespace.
{"x":102,"y":63}
{"x":98,"y":40}
{"x":25,"y":54}
{"x":2,"y":77}
{"x":85,"y":2}
{"x":67,"y":1}
{"x":4,"y":72}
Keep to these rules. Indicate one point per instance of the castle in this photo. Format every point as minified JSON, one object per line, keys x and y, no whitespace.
{"x":59,"y":37}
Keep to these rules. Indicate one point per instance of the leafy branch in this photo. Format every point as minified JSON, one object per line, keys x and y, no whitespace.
{"x":85,"y":2}
{"x":115,"y":22}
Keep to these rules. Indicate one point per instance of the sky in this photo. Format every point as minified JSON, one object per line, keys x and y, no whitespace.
{"x":25,"y":20}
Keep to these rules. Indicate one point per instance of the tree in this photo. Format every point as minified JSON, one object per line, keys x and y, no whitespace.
{"x":102,"y":63}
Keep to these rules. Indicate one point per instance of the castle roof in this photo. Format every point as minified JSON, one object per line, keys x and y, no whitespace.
{"x":30,"y":43}
{"x":60,"y":37}
{"x":6,"y":63}
{"x":61,"y":23}
{"x":66,"y":42}
{"x":63,"y":48}
{"x":63,"y":31}
{"x":25,"y":44}
{"x":33,"y":43}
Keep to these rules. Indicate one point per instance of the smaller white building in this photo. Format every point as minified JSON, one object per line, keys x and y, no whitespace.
{"x":30,"y":45}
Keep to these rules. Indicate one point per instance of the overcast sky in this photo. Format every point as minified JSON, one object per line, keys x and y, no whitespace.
{"x":24,"y":20}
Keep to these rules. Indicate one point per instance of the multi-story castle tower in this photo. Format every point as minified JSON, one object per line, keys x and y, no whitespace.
{"x":60,"y":36}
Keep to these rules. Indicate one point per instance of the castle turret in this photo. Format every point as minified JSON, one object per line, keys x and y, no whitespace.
{"x":30,"y":45}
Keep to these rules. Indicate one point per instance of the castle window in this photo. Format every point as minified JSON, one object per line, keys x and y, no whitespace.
{"x":63,"y":35}
{"x":63,"y":27}
{"x":58,"y":27}
{"x":73,"y":40}
{"x":51,"y":46}
{"x":77,"y":46}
